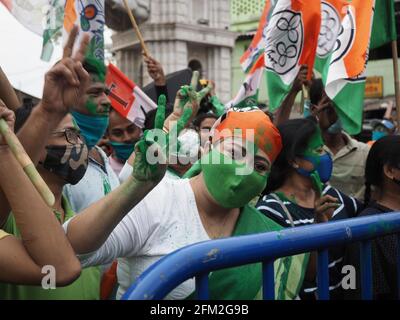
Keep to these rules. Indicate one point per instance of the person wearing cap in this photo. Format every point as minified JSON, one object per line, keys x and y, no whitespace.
{"x":212,"y":204}
{"x":382,"y":128}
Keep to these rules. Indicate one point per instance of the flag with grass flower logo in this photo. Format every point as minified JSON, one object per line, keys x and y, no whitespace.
{"x":291,"y":41}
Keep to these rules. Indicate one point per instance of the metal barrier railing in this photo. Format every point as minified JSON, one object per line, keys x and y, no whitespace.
{"x":200,"y":259}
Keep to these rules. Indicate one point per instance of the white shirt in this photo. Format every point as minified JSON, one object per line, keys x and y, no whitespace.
{"x":93,"y":185}
{"x":167,"y":219}
{"x":116,"y":165}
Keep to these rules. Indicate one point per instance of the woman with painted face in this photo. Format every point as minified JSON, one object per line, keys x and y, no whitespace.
{"x":212,"y":204}
{"x":382,"y":174}
{"x":297,"y":193}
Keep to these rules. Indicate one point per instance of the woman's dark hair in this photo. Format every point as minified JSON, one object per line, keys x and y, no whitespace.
{"x":316,"y":91}
{"x":296,"y":135}
{"x":149,"y":122}
{"x":203,"y":116}
{"x":385,"y":151}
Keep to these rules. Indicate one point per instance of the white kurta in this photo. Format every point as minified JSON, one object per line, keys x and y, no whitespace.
{"x":167,"y":219}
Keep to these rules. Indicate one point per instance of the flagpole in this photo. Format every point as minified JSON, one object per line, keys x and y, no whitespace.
{"x":396,"y":79}
{"x":137,"y":30}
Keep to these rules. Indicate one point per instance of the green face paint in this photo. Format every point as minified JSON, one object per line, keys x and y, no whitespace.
{"x":321,"y":161}
{"x":229,"y":189}
{"x":96,"y":110}
{"x":314,"y":144}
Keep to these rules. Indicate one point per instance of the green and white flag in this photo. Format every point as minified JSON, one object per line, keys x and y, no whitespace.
{"x":54,"y":16}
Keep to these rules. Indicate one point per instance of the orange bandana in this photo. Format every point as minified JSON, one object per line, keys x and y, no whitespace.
{"x":236,"y":122}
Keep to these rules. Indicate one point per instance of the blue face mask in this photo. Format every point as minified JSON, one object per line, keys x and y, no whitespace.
{"x":123,"y":150}
{"x":323,"y":165}
{"x":376,"y":135}
{"x":92,"y":127}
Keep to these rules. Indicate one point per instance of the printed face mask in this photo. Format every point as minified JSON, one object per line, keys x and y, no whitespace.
{"x":229,"y":189}
{"x":92,"y":127}
{"x":122,"y":150}
{"x":69,"y":162}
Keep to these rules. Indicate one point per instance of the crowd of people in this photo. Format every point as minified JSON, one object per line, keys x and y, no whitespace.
{"x":219,"y":173}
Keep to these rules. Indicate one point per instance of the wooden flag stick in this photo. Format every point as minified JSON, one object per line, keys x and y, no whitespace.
{"x":195,"y":79}
{"x":396,"y":79}
{"x":137,"y":30}
{"x":22,"y":157}
{"x":305,"y":97}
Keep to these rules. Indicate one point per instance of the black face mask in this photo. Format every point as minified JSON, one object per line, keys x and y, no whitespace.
{"x":69,"y":162}
{"x":396,"y":181}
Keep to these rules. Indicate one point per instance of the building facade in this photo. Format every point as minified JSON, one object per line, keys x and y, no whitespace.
{"x":180,"y":34}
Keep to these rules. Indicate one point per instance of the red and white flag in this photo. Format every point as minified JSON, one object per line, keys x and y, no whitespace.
{"x":127,"y":98}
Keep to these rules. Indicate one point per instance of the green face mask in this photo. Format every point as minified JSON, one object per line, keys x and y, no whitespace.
{"x":229,"y":189}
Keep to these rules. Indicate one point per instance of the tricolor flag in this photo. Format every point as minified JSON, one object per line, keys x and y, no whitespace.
{"x":52,"y":19}
{"x":291,"y":41}
{"x":346,"y":57}
{"x":248,"y":92}
{"x":89,"y":15}
{"x":258,"y":43}
{"x":332,"y":14}
{"x":127,"y":98}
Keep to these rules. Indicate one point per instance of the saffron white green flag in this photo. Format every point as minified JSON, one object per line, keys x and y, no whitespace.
{"x":291,"y":41}
{"x":248,"y":92}
{"x":52,"y":19}
{"x":258,"y":44}
{"x":89,"y":15}
{"x":343,"y":50}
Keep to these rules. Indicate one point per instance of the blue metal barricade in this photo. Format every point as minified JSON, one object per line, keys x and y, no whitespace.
{"x":200,"y":259}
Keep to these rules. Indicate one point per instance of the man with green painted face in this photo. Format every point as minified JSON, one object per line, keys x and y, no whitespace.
{"x":91,"y":115}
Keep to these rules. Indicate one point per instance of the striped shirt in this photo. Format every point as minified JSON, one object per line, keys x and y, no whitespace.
{"x":300,"y":216}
